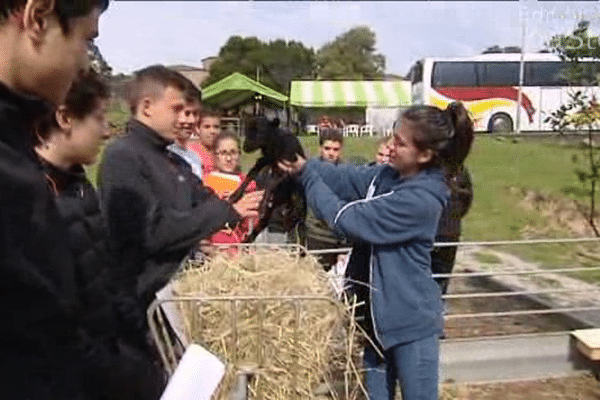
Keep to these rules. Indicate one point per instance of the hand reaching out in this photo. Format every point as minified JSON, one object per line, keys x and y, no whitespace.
{"x":292,"y":167}
{"x":247,"y":206}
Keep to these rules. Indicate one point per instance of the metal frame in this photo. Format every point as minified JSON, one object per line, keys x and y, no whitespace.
{"x":167,"y":347}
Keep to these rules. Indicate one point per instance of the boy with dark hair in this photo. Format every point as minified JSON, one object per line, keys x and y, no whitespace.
{"x":209,"y":128}
{"x":331,"y":142}
{"x":188,"y":125}
{"x":450,"y":225}
{"x":48,"y":352}
{"x":319,"y":235}
{"x":155,"y":208}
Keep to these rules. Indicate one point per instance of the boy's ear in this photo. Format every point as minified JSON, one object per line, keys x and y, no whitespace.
{"x":145,"y":106}
{"x":63,"y":118}
{"x":425,"y":156}
{"x":35,"y":17}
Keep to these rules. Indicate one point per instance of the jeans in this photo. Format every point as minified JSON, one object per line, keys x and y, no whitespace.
{"x":414,"y":365}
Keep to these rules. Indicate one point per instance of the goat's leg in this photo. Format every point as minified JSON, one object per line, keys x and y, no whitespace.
{"x":239,"y":192}
{"x":261,"y":224}
{"x":266,"y":209}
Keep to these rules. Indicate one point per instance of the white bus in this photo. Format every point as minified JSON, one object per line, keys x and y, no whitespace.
{"x":488,"y":85}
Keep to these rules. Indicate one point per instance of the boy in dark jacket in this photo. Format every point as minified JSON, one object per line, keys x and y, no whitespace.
{"x":449,"y":228}
{"x":319,"y":235}
{"x":47,"y":350}
{"x":156,"y":211}
{"x":68,"y":139}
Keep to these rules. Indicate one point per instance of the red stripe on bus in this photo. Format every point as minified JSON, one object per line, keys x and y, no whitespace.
{"x":488,"y":93}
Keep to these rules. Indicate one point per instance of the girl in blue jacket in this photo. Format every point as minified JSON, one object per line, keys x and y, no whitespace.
{"x":391,"y":213}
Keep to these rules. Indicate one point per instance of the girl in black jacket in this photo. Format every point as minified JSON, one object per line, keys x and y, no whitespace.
{"x":69,"y":138}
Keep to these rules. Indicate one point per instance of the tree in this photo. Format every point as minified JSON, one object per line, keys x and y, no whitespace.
{"x":351,"y":56}
{"x":497,"y":49}
{"x":97,"y":62}
{"x":276,"y":63}
{"x":582,"y":111}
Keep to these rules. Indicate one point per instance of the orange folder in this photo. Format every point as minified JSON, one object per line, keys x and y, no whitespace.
{"x":223,"y":184}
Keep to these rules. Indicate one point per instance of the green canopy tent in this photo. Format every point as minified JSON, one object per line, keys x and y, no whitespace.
{"x":237,"y":89}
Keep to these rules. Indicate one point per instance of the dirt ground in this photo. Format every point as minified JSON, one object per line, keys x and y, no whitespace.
{"x":584,"y":387}
{"x":494,"y":326}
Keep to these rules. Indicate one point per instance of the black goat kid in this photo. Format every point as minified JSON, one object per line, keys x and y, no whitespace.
{"x":281,"y":191}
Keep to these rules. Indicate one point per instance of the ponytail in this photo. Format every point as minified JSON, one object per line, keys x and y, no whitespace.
{"x":455,"y":151}
{"x":449,"y":133}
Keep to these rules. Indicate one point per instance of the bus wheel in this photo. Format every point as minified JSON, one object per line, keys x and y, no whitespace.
{"x":500,"y":123}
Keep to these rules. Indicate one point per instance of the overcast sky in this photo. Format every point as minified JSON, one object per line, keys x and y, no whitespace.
{"x":134,"y":34}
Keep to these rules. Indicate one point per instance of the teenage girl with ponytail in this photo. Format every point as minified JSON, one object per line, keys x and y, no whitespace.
{"x":391,"y":214}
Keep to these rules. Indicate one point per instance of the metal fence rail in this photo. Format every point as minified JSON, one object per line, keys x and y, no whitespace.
{"x":511,"y":356}
{"x":493,"y":274}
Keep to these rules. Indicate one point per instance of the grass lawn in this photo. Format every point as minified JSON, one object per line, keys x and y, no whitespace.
{"x":505,"y":174}
{"x":502,"y":170}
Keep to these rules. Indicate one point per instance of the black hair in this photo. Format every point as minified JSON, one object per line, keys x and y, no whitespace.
{"x":209,"y":112}
{"x":153,"y":80}
{"x":81,"y":101}
{"x":449,"y":133}
{"x":332,"y":134}
{"x":65,"y":10}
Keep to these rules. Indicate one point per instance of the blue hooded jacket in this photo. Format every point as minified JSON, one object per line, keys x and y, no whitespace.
{"x":393,"y":221}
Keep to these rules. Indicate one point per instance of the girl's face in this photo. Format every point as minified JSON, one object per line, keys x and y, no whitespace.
{"x":227,"y":156}
{"x":405,"y":157}
{"x":87,"y":135}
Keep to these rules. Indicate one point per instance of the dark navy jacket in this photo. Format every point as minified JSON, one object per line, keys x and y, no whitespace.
{"x":393,"y":222}
{"x":47,"y":350}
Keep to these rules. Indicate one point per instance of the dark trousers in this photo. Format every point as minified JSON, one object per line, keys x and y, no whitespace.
{"x":442,"y":262}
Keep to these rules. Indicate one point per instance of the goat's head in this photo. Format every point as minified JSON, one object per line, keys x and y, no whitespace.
{"x":259,"y":131}
{"x":275,"y":143}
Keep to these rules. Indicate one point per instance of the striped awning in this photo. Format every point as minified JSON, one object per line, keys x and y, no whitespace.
{"x":350,"y":93}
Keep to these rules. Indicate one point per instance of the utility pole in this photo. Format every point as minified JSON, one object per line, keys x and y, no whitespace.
{"x":521,"y":70}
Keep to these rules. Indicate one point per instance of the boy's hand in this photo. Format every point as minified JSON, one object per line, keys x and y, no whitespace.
{"x":292,"y":167}
{"x":248,"y":205}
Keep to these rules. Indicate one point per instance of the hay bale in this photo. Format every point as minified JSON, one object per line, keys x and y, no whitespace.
{"x":300,"y":348}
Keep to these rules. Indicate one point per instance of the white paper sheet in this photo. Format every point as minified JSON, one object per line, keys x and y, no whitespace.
{"x":197,"y":376}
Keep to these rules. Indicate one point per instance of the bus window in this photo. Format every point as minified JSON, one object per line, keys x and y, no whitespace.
{"x":498,"y":73}
{"x":454,"y":74}
{"x":544,"y":74}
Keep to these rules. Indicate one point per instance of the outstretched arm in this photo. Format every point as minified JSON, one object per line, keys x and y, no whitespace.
{"x":348,"y":182}
{"x":388,"y":218}
{"x":137,"y":217}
